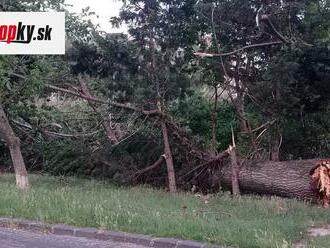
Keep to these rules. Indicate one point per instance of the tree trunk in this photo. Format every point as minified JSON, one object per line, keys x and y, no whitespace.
{"x":240,"y":100}
{"x":215,"y":120}
{"x":276,"y":142}
{"x":287,"y":179}
{"x":167,"y":148}
{"x":234,"y":170}
{"x":240,"y":108}
{"x":168,"y":159}
{"x":13,"y":143}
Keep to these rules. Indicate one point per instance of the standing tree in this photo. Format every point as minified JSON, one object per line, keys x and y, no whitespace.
{"x":261,"y":56}
{"x":163,"y":32}
{"x":20,"y":79}
{"x":13,"y":143}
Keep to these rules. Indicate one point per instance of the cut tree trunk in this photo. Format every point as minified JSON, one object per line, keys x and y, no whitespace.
{"x":13,"y":143}
{"x":287,"y":179}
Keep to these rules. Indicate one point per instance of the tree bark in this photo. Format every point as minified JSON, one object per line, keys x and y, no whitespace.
{"x":240,"y":108}
{"x":234,"y":170}
{"x":13,"y":143}
{"x":240,"y":99}
{"x":287,"y":179}
{"x":169,"y":159}
{"x":276,"y":142}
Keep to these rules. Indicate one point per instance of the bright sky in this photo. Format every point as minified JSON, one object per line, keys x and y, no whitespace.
{"x":103,"y":8}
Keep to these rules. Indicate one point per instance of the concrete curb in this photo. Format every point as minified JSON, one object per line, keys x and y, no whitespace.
{"x":93,"y":233}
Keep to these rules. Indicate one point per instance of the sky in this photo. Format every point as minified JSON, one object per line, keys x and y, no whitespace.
{"x":103,"y":8}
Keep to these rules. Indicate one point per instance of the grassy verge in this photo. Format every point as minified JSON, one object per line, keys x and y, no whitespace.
{"x":249,"y":221}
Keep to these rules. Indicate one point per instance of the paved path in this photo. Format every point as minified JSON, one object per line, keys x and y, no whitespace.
{"x":24,"y":239}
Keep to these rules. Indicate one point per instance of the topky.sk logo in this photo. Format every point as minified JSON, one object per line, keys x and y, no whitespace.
{"x":32,"y":32}
{"x":23,"y":33}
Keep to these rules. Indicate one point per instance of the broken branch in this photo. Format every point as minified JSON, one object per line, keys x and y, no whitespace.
{"x":115,"y":104}
{"x":149,"y":168}
{"x":201,"y":54}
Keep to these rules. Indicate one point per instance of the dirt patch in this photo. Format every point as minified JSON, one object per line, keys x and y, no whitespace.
{"x":313,"y":232}
{"x":319,"y":231}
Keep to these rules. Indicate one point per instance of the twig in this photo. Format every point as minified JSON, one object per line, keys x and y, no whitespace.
{"x":215,"y":159}
{"x":201,"y":54}
{"x":70,"y":135}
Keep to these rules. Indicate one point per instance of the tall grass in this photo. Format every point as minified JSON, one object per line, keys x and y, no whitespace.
{"x":248,"y":221}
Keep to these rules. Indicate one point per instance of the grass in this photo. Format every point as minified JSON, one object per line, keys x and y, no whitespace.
{"x":248,"y":221}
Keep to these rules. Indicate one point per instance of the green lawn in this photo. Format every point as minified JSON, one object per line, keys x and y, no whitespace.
{"x":249,"y":221}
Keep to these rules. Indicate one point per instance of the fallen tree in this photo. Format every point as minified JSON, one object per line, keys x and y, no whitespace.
{"x":287,"y":179}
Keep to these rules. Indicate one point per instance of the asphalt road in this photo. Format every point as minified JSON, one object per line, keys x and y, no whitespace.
{"x":24,"y":239}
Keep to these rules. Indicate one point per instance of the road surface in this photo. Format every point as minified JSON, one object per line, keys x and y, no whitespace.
{"x":25,"y":239}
